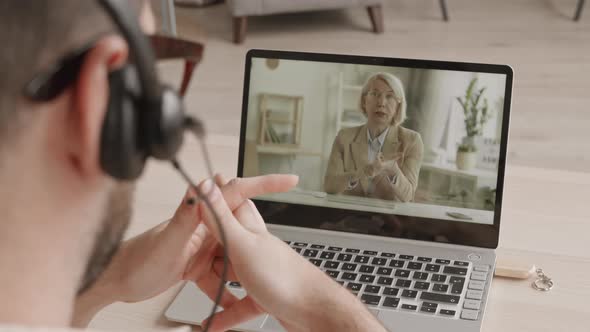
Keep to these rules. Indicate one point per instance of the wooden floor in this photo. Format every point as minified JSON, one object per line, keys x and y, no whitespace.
{"x":548,"y":51}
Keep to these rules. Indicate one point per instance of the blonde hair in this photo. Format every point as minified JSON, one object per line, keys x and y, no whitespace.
{"x":398,"y":88}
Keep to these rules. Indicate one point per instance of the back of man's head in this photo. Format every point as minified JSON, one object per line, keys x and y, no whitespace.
{"x":35,"y":34}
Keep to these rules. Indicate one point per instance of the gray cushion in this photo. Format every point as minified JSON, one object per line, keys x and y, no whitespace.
{"x":267,"y":7}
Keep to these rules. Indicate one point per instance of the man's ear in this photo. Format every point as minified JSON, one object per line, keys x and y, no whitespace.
{"x":89,"y":102}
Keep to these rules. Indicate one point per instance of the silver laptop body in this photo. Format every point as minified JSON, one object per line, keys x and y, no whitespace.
{"x":422,"y":265}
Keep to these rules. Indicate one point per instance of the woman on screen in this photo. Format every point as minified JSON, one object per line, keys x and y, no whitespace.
{"x":379,"y":159}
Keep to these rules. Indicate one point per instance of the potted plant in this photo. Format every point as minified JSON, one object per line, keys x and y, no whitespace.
{"x":475,"y":109}
{"x":466,"y":157}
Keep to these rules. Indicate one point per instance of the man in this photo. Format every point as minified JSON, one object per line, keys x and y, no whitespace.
{"x":63,"y":217}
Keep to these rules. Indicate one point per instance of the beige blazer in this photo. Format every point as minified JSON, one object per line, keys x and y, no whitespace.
{"x":349,"y":156}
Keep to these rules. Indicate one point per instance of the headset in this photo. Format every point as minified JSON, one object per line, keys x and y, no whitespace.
{"x":143,"y":118}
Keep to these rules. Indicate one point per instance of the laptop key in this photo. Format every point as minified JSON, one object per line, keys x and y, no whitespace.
{"x":424,"y":259}
{"x":409,"y":293}
{"x":482,"y":268}
{"x":477,"y":285}
{"x":421,"y":285}
{"x":310,"y":253}
{"x":410,"y":257}
{"x":386,"y":281}
{"x":331,"y":265}
{"x":367,"y":269}
{"x":349,"y":276}
{"x":316,"y":262}
{"x":474,"y":294}
{"x":300,"y":244}
{"x":335,"y":248}
{"x":327,"y":255}
{"x":349,"y":267}
{"x":344,"y":257}
{"x":430,"y":304}
{"x":370,"y":299}
{"x":355,"y":287}
{"x":384,"y":271}
{"x":391,"y":302}
{"x":402,"y":273}
{"x":460,"y":263}
{"x":396,"y":263}
{"x":367,"y":278}
{"x":361,"y":259}
{"x":472,"y":304}
{"x":447,"y":312}
{"x":469,"y":314}
{"x":414,"y":266}
{"x":420,"y":276}
{"x":352,"y":251}
{"x":369,"y":252}
{"x":317,"y":246}
{"x":457,"y":284}
{"x":379,"y":261}
{"x":432,"y":268}
{"x":390,"y":291}
{"x":332,"y":273}
{"x":436,"y":297}
{"x":428,"y":310}
{"x":372,"y":289}
{"x":387,"y":254}
{"x":403,"y":283}
{"x":455,"y":270}
{"x":440,"y":288}
{"x":409,"y":307}
{"x":438,"y":278}
{"x":442,"y":261}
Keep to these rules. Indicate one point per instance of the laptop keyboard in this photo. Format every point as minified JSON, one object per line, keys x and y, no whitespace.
{"x":392,"y":281}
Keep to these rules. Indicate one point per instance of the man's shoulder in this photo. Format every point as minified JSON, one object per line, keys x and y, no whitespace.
{"x":21,"y":328}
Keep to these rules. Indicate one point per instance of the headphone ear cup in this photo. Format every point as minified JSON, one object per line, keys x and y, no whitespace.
{"x":122,"y":152}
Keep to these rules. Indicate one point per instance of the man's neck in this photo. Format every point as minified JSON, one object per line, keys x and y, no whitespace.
{"x":40,"y":256}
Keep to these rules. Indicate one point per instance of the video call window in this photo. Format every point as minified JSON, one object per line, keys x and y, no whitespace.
{"x":406,"y":141}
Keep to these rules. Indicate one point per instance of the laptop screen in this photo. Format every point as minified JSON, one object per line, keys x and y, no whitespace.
{"x":376,"y":141}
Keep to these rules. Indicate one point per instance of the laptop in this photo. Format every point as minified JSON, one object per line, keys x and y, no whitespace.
{"x":415,"y":240}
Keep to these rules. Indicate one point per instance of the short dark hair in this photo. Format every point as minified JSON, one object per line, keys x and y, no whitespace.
{"x":35,"y":34}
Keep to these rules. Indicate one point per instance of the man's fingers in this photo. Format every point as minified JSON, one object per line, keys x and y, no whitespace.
{"x":238,"y":190}
{"x":186,"y":214}
{"x":240,"y":312}
{"x":210,"y":283}
{"x":216,"y":213}
{"x":249,"y":217}
{"x":220,"y":180}
{"x":218,"y":268}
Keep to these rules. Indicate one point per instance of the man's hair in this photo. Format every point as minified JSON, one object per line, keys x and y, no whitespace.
{"x":35,"y":34}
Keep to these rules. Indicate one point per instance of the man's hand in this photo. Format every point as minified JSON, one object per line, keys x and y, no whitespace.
{"x":152,"y":262}
{"x":277,"y":279}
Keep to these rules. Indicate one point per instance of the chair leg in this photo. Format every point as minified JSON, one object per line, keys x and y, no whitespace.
{"x":443,"y":8}
{"x":579,"y":9}
{"x":240,"y":28}
{"x":376,"y":16}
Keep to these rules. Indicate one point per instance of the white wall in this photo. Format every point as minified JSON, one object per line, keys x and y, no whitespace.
{"x":296,"y":78}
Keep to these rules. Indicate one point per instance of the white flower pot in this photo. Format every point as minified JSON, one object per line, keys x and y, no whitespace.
{"x":466,"y":161}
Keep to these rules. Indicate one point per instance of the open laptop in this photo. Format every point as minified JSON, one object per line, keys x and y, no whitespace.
{"x":422,"y":258}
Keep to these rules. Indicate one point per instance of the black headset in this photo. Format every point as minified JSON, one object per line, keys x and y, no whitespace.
{"x":143,"y":119}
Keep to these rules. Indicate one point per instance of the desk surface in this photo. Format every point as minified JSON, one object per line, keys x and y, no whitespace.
{"x":545,"y":221}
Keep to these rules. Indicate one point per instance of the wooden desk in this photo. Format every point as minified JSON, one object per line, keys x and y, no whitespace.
{"x":546,"y":221}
